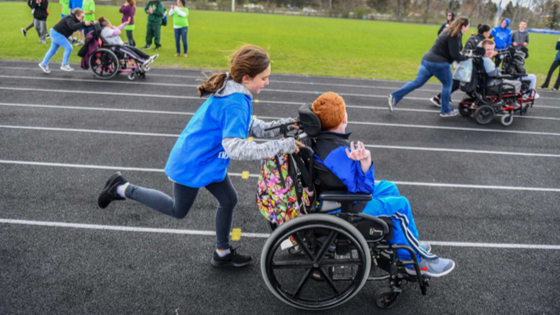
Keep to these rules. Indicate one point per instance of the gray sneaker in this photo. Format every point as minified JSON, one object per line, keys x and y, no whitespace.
{"x":44,"y":68}
{"x":392,"y":102}
{"x":433,"y":267}
{"x":66,"y":68}
{"x":452,"y":113}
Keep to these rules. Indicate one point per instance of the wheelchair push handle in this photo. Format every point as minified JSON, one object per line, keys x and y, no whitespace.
{"x":285,"y":128}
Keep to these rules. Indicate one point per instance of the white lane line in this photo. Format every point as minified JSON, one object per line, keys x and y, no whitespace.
{"x":198,"y":98}
{"x":244,"y":234}
{"x":137,"y":169}
{"x":196,"y":85}
{"x":109,"y":109}
{"x":186,"y":85}
{"x":168,"y":135}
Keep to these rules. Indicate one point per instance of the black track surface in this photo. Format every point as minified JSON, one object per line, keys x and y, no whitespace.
{"x":62,"y":270}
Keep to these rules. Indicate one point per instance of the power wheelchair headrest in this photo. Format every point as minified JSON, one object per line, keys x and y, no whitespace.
{"x":479,"y":51}
{"x":308,"y":121}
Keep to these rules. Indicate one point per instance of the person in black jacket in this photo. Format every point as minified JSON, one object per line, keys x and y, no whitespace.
{"x":437,"y":62}
{"x":471,"y":44}
{"x":450,"y":19}
{"x":40,"y":15}
{"x":59,"y":36}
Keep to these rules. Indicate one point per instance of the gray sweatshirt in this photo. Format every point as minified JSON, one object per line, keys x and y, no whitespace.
{"x":519,"y":38}
{"x":242,"y":149}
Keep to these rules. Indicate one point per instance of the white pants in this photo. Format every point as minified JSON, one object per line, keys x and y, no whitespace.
{"x":533,"y":79}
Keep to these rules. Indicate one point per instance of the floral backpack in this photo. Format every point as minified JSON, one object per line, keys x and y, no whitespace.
{"x":281,"y":195}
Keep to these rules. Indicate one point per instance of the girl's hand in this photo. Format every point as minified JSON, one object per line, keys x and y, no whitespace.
{"x":358,"y":154}
{"x":295,"y":126}
{"x":130,"y":17}
{"x":172,"y":7}
{"x":299,"y":145}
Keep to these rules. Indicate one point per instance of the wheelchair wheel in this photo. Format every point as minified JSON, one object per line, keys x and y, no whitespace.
{"x":132,"y":76}
{"x":484,"y":114}
{"x":330,"y":250}
{"x":386,"y":298}
{"x":104,"y":64}
{"x":465,"y":110}
{"x":507,"y":119}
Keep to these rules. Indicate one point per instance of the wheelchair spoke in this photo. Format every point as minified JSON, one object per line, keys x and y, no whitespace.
{"x":303,"y":246}
{"x":326,"y":246}
{"x":291,"y":264}
{"x":329,"y":282}
{"x":303,"y":282}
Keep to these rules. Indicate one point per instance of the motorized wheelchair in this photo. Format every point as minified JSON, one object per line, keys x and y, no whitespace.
{"x":109,"y":60}
{"x":323,"y":259}
{"x":485,"y":101}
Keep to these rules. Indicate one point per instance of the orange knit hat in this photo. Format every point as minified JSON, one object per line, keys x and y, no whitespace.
{"x":330,"y":108}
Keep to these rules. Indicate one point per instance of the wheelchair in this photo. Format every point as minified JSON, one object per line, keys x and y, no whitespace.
{"x":322,"y":259}
{"x":110,"y":60}
{"x":486,"y":101}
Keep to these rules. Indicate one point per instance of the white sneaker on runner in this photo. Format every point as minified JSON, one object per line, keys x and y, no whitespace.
{"x":66,"y":68}
{"x":44,"y":68}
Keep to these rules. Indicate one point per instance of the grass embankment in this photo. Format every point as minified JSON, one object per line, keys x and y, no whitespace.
{"x":297,"y":45}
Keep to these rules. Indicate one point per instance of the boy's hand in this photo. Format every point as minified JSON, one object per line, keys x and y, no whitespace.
{"x":358,"y":154}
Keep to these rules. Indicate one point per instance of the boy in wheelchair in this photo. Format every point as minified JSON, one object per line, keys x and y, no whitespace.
{"x":353,"y":170}
{"x":111,"y":35}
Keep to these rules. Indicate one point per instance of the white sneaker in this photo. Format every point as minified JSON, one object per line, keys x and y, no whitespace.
{"x":452,"y":113}
{"x":537,"y":95}
{"x":66,"y":68}
{"x":44,"y":68}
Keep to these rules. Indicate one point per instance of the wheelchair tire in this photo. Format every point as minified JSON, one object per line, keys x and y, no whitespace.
{"x":464,"y":110}
{"x":132,"y":76}
{"x":484,"y":114}
{"x":507,"y":119}
{"x":289,"y":276}
{"x":104,"y":63}
{"x":386,"y":298}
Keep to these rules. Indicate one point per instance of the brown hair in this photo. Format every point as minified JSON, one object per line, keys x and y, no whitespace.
{"x":248,"y":60}
{"x":131,"y":2}
{"x":77,"y":11}
{"x":487,"y":42}
{"x":103,"y":21}
{"x":330,"y":108}
{"x":455,"y":28}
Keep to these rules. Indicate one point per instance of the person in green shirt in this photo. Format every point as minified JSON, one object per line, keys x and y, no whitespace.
{"x":89,"y":11}
{"x":155,"y":12}
{"x":180,"y":16}
{"x":64,"y":7}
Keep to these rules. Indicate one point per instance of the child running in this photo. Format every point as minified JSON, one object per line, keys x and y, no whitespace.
{"x":216,"y":134}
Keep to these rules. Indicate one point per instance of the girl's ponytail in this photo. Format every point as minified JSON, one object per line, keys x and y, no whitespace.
{"x":212,"y":84}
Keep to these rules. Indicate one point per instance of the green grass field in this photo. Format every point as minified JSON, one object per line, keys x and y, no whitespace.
{"x":297,"y":45}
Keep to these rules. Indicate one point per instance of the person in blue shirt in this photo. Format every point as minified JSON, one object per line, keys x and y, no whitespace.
{"x":502,"y":38}
{"x":216,"y":134}
{"x":351,"y":168}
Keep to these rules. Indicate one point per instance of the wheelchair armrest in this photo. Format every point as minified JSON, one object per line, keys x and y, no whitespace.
{"x":504,"y":76}
{"x":341,"y":196}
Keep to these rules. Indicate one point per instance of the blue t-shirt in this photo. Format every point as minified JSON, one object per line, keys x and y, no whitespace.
{"x":198,"y":157}
{"x":76,"y":4}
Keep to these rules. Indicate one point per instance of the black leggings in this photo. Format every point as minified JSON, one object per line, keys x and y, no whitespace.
{"x":130,"y":38}
{"x":553,"y":67}
{"x":184,"y":199}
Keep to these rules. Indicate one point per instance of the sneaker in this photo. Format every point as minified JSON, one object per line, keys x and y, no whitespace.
{"x":536,"y":96}
{"x":427,"y":247}
{"x":433,"y":267}
{"x":177,"y":55}
{"x":435,"y":101}
{"x":145,"y":47}
{"x":185,"y":55}
{"x":452,"y":113}
{"x":154,"y":57}
{"x":48,"y":36}
{"x":79,"y":43}
{"x":109,"y":192}
{"x":392,"y":102}
{"x":44,"y":68}
{"x":554,"y":89}
{"x":232,"y":259}
{"x":23,"y":32}
{"x":43,"y":42}
{"x":542,"y":87}
{"x":157,"y":48}
{"x":66,"y":68}
{"x":73,"y":41}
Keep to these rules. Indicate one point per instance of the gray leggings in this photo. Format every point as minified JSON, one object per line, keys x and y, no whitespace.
{"x":184,"y":199}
